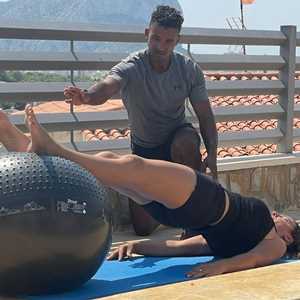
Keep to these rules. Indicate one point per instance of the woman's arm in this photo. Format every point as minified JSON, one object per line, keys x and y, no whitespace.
{"x":193,"y":246}
{"x":266,"y":252}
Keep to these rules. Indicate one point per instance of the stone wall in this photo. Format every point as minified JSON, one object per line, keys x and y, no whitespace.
{"x":278,"y":186}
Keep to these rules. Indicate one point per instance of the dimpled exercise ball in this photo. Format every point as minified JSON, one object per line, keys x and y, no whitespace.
{"x":55,"y":228}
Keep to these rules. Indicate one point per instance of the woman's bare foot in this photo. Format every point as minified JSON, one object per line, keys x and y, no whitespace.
{"x":10,"y":136}
{"x":41,"y":142}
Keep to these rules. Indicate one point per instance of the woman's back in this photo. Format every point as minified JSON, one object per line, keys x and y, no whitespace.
{"x":247,"y":223}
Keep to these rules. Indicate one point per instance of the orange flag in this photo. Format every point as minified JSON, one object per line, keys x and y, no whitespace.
{"x":247,"y":1}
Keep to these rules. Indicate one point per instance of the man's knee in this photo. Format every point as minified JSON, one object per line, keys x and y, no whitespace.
{"x":186,"y":143}
{"x":143,"y":224}
{"x":142,"y":229}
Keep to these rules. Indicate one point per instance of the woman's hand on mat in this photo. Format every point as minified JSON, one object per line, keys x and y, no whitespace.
{"x":206,"y":270}
{"x":123,"y":251}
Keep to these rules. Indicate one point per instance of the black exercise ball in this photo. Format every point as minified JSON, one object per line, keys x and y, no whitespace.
{"x":55,"y":227}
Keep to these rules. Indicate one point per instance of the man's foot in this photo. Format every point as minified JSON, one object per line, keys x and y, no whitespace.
{"x":10,"y":136}
{"x":41,"y":142}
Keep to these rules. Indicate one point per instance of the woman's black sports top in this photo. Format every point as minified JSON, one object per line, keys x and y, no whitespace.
{"x":246,"y":223}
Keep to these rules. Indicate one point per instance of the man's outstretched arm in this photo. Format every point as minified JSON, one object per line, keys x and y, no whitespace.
{"x":97,"y":94}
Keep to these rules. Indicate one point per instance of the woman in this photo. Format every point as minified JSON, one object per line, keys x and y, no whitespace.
{"x":239,"y":229}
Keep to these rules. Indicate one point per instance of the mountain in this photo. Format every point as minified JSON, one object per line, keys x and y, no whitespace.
{"x":127,"y":12}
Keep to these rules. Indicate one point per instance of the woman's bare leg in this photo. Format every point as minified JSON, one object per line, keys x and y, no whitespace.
{"x":10,"y":136}
{"x":129,"y":193}
{"x":168,"y":183}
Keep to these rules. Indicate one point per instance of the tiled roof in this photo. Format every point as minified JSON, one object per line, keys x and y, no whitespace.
{"x":62,"y":107}
{"x":115,"y":133}
{"x":244,"y":76}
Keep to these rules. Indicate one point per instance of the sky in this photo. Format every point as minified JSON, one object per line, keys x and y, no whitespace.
{"x":261,"y":15}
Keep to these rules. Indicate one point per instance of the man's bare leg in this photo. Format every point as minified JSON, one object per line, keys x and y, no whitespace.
{"x":10,"y":136}
{"x":168,"y":183}
{"x":142,"y":223}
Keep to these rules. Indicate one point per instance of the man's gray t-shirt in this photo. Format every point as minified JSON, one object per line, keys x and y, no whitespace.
{"x":155,"y":102}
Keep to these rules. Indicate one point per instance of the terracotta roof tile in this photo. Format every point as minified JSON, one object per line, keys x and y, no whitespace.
{"x":101,"y":134}
{"x":297,"y":147}
{"x":264,"y":77}
{"x":61,"y":106}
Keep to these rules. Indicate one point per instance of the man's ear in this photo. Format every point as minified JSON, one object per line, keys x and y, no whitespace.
{"x":288,"y":238}
{"x":178,"y":39}
{"x":274,"y":213}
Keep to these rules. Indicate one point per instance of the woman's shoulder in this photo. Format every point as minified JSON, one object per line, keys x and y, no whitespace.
{"x":275,"y":243}
{"x":256,"y":205}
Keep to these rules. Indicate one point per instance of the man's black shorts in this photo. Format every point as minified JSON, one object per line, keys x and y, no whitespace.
{"x":162,"y":152}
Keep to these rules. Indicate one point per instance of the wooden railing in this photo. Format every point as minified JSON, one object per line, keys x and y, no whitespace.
{"x":286,"y":63}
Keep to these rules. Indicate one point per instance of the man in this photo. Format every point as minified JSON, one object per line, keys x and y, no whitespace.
{"x":154,"y":84}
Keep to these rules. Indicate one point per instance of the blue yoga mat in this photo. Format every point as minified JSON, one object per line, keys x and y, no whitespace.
{"x":118,"y":277}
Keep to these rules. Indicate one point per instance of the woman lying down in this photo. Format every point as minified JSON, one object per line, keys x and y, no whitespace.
{"x":240,"y":230}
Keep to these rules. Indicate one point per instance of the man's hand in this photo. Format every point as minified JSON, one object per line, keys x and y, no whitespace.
{"x":208,"y":269}
{"x":123,"y":252}
{"x":210,"y":162}
{"x":76,"y":96}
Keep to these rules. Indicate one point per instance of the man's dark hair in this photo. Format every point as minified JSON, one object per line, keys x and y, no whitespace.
{"x":167,"y":16}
